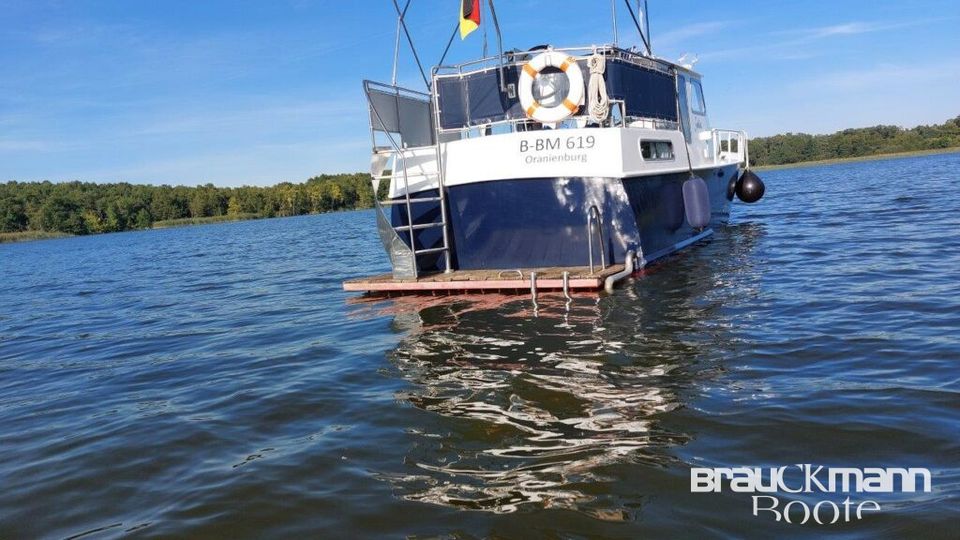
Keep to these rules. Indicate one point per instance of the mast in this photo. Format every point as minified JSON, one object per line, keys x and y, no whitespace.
{"x":646,"y":20}
{"x":396,"y":45}
{"x":401,"y":14}
{"x":496,"y":26}
{"x":613,"y":13}
{"x":643,"y":35}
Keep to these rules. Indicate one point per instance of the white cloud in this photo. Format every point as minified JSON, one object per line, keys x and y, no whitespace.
{"x":257,"y":117}
{"x":679,"y":36}
{"x":785,"y":47}
{"x":899,"y":93}
{"x":848,"y":29}
{"x":242,"y":164}
{"x":881,"y":76}
{"x":852,"y":28}
{"x":20,"y":145}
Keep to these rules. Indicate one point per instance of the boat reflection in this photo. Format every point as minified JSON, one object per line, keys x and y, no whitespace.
{"x":550,"y":407}
{"x":527,"y":410}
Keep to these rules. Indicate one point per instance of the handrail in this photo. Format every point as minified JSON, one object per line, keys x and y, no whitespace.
{"x":593,"y":214}
{"x":719,"y":137}
{"x":629,"y":266}
{"x":639,"y":59}
{"x":393,"y":89}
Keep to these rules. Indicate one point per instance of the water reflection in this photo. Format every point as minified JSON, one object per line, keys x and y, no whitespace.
{"x":545,"y":409}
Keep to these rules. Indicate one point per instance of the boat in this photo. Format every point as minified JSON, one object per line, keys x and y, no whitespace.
{"x":547,"y":167}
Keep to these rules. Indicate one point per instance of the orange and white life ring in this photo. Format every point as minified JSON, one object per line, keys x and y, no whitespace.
{"x":565,"y":108}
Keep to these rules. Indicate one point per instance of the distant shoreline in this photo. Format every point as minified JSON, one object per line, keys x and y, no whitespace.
{"x":872,"y":157}
{"x":27,"y":236}
{"x":30,"y":236}
{"x":186,"y":222}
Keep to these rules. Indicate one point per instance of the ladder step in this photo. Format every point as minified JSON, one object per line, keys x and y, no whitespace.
{"x":412,"y":200}
{"x":402,"y":228}
{"x":429,"y":251}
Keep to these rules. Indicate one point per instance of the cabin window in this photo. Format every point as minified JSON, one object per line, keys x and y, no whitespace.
{"x":656,"y":150}
{"x":697,"y":104}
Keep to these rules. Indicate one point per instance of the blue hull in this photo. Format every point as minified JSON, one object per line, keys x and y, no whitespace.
{"x":537,"y":223}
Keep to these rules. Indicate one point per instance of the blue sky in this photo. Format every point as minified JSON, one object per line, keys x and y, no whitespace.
{"x":254,"y":92}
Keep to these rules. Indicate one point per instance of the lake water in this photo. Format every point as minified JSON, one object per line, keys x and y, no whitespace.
{"x":215,"y":381}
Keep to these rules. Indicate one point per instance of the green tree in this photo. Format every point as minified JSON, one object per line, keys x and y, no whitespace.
{"x":142,"y":219}
{"x":62,"y":214}
{"x":796,"y":147}
{"x":13,"y":215}
{"x":233,"y":207}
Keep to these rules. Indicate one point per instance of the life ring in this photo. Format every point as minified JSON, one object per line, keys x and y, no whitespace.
{"x":570,"y":104}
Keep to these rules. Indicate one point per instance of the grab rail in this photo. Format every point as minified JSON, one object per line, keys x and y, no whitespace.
{"x":593,"y":215}
{"x":724,"y":140}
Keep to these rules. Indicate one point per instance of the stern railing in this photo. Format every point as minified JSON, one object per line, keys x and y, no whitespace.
{"x":730,"y":146}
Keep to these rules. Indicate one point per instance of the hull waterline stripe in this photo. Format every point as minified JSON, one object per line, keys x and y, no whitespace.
{"x":675,"y":248}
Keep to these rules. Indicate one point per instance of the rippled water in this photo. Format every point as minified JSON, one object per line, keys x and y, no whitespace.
{"x":214,"y":381}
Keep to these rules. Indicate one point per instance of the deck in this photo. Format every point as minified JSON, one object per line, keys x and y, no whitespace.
{"x":487,"y":280}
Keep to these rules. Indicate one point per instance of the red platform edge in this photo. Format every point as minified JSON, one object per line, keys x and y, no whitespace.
{"x":466,"y":285}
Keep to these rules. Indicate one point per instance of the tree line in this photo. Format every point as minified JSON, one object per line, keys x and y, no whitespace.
{"x":88,"y":208}
{"x":799,"y":147}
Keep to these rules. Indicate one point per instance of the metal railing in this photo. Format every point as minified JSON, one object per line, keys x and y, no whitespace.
{"x":595,"y":226}
{"x":730,"y":146}
{"x":396,"y":152}
{"x":515,"y":60}
{"x":518,"y":58}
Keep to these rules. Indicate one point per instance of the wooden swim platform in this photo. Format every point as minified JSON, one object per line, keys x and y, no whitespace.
{"x":520,"y":280}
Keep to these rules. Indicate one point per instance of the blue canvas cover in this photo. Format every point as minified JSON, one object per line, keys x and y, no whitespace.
{"x":647,"y":93}
{"x":476,"y":99}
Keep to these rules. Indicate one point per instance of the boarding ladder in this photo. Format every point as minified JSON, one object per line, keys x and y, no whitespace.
{"x":408,"y":203}
{"x":398,"y":112}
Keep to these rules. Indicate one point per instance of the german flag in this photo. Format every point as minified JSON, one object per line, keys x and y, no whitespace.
{"x":469,"y":17}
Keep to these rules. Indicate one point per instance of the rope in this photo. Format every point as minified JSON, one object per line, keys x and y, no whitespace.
{"x":599,"y":105}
